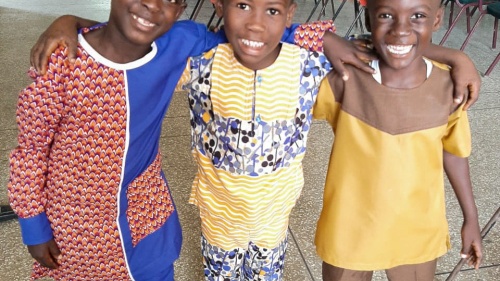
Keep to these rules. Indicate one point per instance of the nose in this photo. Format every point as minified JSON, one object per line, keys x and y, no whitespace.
{"x":256,"y":22}
{"x":152,"y":5}
{"x":401,"y":27}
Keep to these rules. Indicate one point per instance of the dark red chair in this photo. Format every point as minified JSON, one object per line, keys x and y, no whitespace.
{"x":469,"y":6}
{"x":494,"y":10}
{"x":359,"y":8}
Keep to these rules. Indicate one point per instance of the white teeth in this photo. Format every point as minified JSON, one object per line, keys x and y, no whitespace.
{"x":143,"y":21}
{"x":399,"y":49}
{"x":253,"y":44}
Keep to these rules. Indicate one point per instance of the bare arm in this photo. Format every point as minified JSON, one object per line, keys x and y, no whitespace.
{"x":463,"y":72}
{"x":62,"y":31}
{"x":457,"y":170}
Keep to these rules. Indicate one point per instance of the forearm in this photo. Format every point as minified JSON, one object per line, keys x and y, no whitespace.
{"x":457,"y":170}
{"x":309,"y":35}
{"x":451,"y":57}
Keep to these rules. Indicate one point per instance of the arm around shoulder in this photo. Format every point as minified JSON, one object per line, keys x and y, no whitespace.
{"x":466,"y":78}
{"x":63,"y":31}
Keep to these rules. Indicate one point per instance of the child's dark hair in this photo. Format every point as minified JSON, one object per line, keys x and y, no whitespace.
{"x":441,"y":3}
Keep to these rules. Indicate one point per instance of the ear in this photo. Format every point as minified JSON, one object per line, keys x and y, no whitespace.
{"x":290,"y":14}
{"x":367,"y":21}
{"x":439,"y":19}
{"x":219,"y":8}
{"x":179,"y":12}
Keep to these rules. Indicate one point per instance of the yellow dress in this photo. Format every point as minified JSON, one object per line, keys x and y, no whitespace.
{"x":384,"y":200}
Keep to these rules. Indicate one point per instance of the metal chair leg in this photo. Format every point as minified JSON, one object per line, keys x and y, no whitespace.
{"x":490,"y":69}
{"x":313,"y":10}
{"x":472,"y":32}
{"x":484,"y":232}
{"x":338,"y":10}
{"x":495,"y":33}
{"x":358,"y":16}
{"x":196,"y":9}
{"x":453,"y":22}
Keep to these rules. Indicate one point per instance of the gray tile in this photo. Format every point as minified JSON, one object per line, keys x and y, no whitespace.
{"x":484,"y":274}
{"x":17,"y":263}
{"x":178,"y":105}
{"x":295,"y":266}
{"x":306,"y":213}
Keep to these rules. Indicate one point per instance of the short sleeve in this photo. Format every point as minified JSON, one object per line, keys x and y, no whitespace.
{"x":326,"y":108}
{"x":457,"y":139}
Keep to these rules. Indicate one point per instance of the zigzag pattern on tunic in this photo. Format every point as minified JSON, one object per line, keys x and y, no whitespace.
{"x":149,"y":202}
{"x":310,"y":34}
{"x":85,"y":167}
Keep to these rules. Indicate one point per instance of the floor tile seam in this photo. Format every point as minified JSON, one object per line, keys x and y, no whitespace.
{"x":301,"y":255}
{"x":469,"y":269}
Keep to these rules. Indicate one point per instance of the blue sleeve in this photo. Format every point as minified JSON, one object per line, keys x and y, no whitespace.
{"x":190,"y":38}
{"x":193,"y":39}
{"x":289,"y":34}
{"x":35,"y":230}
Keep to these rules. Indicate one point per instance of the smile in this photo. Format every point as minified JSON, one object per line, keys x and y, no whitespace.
{"x":253,"y":44}
{"x":399,"y":49}
{"x":143,"y":21}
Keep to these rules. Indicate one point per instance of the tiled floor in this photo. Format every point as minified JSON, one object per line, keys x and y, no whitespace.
{"x":21,"y":21}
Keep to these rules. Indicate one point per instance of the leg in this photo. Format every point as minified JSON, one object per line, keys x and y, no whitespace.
{"x":413,"y":272}
{"x":221,"y":265}
{"x":262,"y":264}
{"x":333,"y":273}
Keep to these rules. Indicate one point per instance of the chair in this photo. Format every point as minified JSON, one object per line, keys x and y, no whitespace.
{"x":359,"y":8}
{"x":465,"y":5}
{"x":197,"y":9}
{"x":494,"y":10}
{"x":323,"y":7}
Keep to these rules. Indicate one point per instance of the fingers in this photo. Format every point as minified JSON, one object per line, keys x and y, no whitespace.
{"x":458,"y":95}
{"x":471,"y":94}
{"x":42,"y":254}
{"x":35,"y":56}
{"x":54,"y":250}
{"x":46,"y":45}
{"x":340,"y":68}
{"x":72,"y":45}
{"x":473,"y":254}
{"x":473,"y":89}
{"x":476,"y":255}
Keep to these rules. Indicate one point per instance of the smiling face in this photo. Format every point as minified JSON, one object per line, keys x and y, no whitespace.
{"x":402,"y":29}
{"x":140,"y":22}
{"x":255,"y":27}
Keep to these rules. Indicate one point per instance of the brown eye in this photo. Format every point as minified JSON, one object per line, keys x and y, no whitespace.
{"x":418,"y":16}
{"x":243,"y":6}
{"x":273,"y":12}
